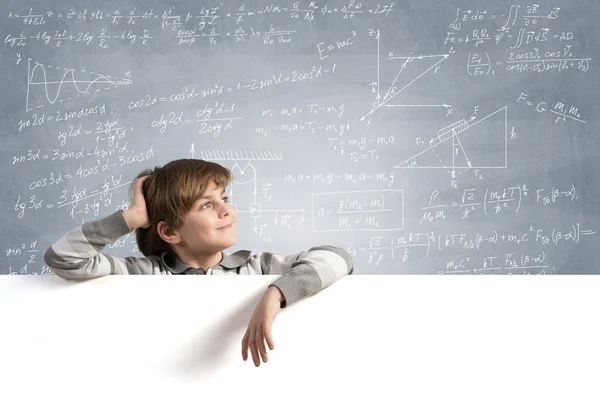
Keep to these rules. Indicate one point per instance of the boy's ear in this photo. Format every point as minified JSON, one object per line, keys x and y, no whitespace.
{"x":167,"y":234}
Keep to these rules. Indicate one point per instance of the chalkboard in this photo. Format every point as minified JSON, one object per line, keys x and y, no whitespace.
{"x":425,"y":137}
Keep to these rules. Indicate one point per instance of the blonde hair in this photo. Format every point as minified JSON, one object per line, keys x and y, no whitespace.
{"x":170,"y":192}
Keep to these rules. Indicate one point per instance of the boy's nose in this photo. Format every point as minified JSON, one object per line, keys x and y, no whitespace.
{"x":225,"y":209}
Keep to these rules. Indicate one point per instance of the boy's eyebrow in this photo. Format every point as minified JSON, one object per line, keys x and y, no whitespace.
{"x":205,"y":197}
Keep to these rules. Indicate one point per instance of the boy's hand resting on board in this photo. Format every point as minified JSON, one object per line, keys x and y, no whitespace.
{"x":136,"y":216}
{"x":259,"y":328}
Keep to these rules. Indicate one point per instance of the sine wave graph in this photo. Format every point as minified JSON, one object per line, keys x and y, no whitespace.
{"x":42,"y":90}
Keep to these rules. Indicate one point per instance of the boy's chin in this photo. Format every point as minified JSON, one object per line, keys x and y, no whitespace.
{"x":231,"y":242}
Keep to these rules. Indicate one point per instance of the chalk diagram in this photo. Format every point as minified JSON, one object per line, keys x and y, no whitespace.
{"x":466,"y":145}
{"x":245,"y":177}
{"x":421,"y":66}
{"x":39,"y":85}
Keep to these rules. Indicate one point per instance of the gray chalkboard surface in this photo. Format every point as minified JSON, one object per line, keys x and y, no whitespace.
{"x":426,"y":137}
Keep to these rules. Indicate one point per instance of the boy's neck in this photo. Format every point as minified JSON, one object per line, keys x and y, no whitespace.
{"x":203,"y":262}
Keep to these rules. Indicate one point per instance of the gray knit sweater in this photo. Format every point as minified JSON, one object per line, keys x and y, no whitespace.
{"x":77,"y":254}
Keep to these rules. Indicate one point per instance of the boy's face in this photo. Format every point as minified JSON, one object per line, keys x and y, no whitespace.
{"x":209,"y":226}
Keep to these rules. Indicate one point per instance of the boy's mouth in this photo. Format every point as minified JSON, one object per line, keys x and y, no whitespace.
{"x":226,"y":226}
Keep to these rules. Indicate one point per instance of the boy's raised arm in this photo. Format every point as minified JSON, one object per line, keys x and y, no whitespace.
{"x":77,"y":254}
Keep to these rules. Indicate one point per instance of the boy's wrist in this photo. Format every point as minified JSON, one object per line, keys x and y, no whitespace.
{"x":129,"y":219}
{"x":275,"y":292}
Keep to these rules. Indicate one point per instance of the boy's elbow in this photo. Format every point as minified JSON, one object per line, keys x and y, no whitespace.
{"x":64,"y":269}
{"x":344,"y":254}
{"x":54,"y":261}
{"x":50,"y":259}
{"x":347,"y":258}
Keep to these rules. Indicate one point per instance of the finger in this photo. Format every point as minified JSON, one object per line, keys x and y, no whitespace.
{"x":269,"y":338}
{"x":138,"y":184}
{"x":253,"y":348}
{"x":245,"y":345}
{"x":261,"y":343}
{"x":140,"y":181}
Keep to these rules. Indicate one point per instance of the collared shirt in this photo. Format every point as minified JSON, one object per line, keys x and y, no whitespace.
{"x":228,"y":262}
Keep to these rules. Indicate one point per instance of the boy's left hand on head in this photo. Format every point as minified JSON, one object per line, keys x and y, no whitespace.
{"x":259,"y":328}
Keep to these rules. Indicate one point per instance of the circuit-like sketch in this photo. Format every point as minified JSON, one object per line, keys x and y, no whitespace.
{"x":245,"y":184}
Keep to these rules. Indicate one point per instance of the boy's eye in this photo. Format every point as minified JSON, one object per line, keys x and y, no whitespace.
{"x":225,"y":199}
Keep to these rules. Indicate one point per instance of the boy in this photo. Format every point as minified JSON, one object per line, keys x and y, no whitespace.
{"x":183,"y":222}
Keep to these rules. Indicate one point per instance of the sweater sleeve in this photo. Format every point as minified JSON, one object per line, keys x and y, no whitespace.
{"x":77,"y":254}
{"x":308,"y":272}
